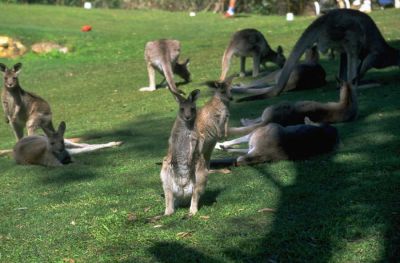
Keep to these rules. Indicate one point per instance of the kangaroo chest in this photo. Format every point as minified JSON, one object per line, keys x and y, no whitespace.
{"x":11,"y":104}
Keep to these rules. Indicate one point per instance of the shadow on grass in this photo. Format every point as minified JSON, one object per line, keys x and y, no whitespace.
{"x":176,"y":252}
{"x":67,"y":175}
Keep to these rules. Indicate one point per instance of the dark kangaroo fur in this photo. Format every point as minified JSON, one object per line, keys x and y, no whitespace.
{"x":23,"y":108}
{"x":354,"y":35}
{"x":274,"y":142}
{"x":306,"y":75}
{"x":163,"y":55}
{"x":246,"y":43}
{"x":287,"y":113}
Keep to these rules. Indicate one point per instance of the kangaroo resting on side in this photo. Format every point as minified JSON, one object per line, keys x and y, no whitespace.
{"x":352,"y":33}
{"x":212,"y":119}
{"x":46,"y":150}
{"x":274,"y":142}
{"x":287,"y":113}
{"x":183,"y":173}
{"x":246,"y":43}
{"x":23,"y":108}
{"x":162,"y":55}
{"x":306,"y":75}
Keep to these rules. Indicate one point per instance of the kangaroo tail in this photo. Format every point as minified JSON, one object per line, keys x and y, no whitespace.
{"x":169,"y":76}
{"x":267,"y":93}
{"x":307,"y":39}
{"x":226,"y":60}
{"x":222,"y":163}
{"x":5,"y":152}
{"x":256,"y":91}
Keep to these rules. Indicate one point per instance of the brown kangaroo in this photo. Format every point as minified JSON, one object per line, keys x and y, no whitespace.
{"x":274,"y":142}
{"x":212,"y":119}
{"x":307,"y":75}
{"x":46,"y":150}
{"x":162,"y":55}
{"x":23,"y":108}
{"x":183,"y":173}
{"x":287,"y":113}
{"x":353,"y":34}
{"x":246,"y":43}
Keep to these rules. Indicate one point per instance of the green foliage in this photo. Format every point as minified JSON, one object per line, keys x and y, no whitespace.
{"x":340,"y":207}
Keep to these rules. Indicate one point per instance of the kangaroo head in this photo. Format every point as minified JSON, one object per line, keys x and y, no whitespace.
{"x":56,"y":142}
{"x":312,"y":55}
{"x":222,"y":89}
{"x":11,"y":75}
{"x":280,"y":58}
{"x":182,"y":70}
{"x":187,"y":107}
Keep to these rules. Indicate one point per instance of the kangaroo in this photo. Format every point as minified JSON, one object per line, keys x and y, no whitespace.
{"x":46,"y":150}
{"x":287,"y":113}
{"x":307,"y":75}
{"x":183,"y":173}
{"x":246,"y":43}
{"x":354,"y":34}
{"x":212,"y":119}
{"x":23,"y":108}
{"x":162,"y":55}
{"x":274,"y":142}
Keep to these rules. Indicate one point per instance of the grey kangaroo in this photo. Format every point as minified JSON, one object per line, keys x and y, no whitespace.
{"x":162,"y":55}
{"x":274,"y":142}
{"x":23,"y":108}
{"x":46,"y":150}
{"x":212,"y":119}
{"x":306,"y":75}
{"x":287,"y":113}
{"x":353,"y":34}
{"x":183,"y":173}
{"x":246,"y":43}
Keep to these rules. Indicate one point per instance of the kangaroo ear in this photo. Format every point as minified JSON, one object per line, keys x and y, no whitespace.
{"x":338,"y":80}
{"x":211,"y":84}
{"x":279,"y":50}
{"x":187,"y":62}
{"x":194,"y":95}
{"x":61,"y":128}
{"x":49,"y":133}
{"x":178,"y":97}
{"x":17,"y":67}
{"x":3,"y":67}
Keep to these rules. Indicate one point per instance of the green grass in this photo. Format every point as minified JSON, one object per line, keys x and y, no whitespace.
{"x":342,"y":207}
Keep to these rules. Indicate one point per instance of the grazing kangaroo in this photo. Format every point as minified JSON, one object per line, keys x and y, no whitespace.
{"x":23,"y":108}
{"x":46,"y":150}
{"x":183,"y":173}
{"x":352,"y":33}
{"x":274,"y":142}
{"x":287,"y":113}
{"x":307,"y":75}
{"x":212,"y":119}
{"x":162,"y":55}
{"x":246,"y":43}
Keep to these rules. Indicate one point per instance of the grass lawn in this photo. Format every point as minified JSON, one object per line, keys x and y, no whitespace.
{"x":341,"y":207}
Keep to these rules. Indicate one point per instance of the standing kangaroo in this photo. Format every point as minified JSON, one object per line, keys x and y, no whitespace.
{"x":274,"y":142}
{"x":46,"y":150}
{"x":212,"y":119}
{"x":306,"y":75}
{"x":162,"y":55}
{"x":287,"y":113}
{"x":352,"y":33}
{"x":23,"y":108}
{"x":183,"y":173}
{"x":246,"y":43}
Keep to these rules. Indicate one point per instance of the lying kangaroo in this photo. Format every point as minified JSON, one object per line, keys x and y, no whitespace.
{"x":162,"y":55}
{"x":274,"y":142}
{"x":183,"y":173}
{"x":46,"y":150}
{"x":307,"y":75}
{"x":246,"y":43}
{"x":212,"y":119}
{"x":23,"y":108}
{"x":352,"y":33}
{"x":287,"y":113}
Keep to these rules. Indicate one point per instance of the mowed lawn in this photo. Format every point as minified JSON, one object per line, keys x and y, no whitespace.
{"x":340,"y":207}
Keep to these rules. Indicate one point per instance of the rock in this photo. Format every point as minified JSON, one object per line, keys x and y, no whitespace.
{"x":11,"y":48}
{"x":46,"y":47}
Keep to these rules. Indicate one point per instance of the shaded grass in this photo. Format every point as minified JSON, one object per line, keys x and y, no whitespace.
{"x":341,"y":207}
